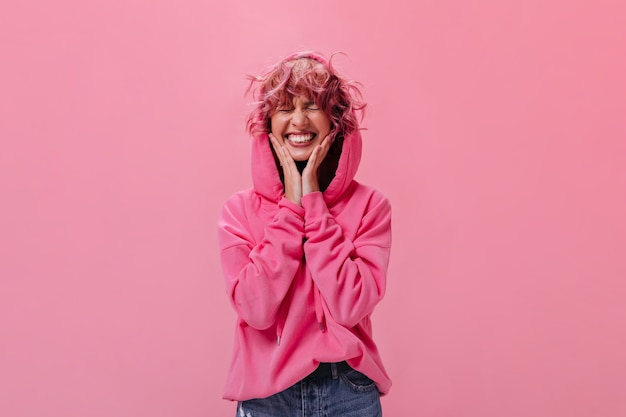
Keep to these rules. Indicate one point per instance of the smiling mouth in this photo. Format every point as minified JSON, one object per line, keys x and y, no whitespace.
{"x":300,"y":138}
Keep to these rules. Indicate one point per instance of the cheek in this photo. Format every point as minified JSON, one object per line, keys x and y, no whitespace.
{"x":276,"y":124}
{"x":325,"y":124}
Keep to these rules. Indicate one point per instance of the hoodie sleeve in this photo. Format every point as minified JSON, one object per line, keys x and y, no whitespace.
{"x":350,"y":275}
{"x":258,"y":275}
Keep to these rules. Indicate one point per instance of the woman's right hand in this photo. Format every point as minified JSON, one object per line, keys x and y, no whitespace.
{"x":291,"y":175}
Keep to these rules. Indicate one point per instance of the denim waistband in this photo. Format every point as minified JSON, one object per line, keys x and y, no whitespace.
{"x":325,"y":369}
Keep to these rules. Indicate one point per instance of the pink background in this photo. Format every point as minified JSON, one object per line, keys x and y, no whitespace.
{"x":496,"y":128}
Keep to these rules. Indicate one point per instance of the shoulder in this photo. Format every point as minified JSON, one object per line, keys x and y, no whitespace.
{"x":369,"y":195}
{"x":238,"y":204}
{"x":239,"y":198}
{"x":374,"y":209}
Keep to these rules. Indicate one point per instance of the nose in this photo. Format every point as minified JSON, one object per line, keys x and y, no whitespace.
{"x":299,"y":118}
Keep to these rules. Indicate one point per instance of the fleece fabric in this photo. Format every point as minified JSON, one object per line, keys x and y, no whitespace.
{"x":303,"y":280}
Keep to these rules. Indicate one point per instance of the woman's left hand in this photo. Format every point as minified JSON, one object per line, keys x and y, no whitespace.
{"x":310,"y":182}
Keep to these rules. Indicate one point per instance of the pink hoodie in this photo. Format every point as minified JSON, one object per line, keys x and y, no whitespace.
{"x":303,"y":280}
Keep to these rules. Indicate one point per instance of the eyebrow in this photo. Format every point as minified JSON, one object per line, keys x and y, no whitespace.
{"x":307,"y":102}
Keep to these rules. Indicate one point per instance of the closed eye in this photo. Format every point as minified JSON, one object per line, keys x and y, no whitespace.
{"x":310,"y":105}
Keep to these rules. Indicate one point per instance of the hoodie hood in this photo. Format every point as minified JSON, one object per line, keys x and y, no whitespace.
{"x":266,"y":176}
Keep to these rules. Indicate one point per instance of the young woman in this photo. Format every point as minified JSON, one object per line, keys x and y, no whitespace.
{"x":305,"y":252}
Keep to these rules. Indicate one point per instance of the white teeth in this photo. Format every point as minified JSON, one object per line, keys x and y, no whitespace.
{"x":300,"y":138}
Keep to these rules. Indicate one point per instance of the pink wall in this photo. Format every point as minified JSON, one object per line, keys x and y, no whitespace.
{"x":495,"y":127}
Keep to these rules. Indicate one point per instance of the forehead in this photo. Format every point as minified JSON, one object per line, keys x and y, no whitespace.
{"x":297,"y":99}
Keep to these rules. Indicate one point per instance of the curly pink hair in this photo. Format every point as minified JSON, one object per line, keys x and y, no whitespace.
{"x":311,"y":75}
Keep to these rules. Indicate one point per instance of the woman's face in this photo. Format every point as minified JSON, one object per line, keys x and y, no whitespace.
{"x":300,"y":126}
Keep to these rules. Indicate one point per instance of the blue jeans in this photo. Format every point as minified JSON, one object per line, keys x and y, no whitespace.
{"x":344,"y":394}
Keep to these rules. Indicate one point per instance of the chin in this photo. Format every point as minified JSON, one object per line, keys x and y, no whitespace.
{"x":301,"y":156}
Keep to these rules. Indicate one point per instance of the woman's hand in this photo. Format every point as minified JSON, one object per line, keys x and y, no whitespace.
{"x":310,"y":181}
{"x":291,"y":175}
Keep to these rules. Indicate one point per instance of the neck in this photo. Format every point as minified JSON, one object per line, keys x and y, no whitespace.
{"x":301,"y":165}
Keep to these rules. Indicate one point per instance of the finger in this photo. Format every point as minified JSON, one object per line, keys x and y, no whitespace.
{"x":318,"y":154}
{"x":275,"y":144}
{"x":279,"y":149}
{"x":324,"y":147}
{"x":284,"y":157}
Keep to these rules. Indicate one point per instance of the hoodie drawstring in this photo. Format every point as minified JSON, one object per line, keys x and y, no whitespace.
{"x":279,"y":329}
{"x":319,"y":316}
{"x":319,"y":309}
